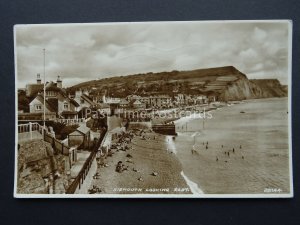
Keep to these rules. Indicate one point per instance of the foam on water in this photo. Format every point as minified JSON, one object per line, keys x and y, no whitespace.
{"x":193,"y":186}
{"x":171,"y":144}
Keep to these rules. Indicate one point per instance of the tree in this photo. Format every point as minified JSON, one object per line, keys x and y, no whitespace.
{"x":23,"y":101}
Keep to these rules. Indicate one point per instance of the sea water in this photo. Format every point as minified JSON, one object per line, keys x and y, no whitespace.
{"x":242,"y":149}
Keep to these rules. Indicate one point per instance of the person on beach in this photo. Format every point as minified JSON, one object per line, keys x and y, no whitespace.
{"x":120,"y":167}
{"x":206,"y":147}
{"x":222,"y":146}
{"x":233,"y":150}
{"x":240,"y":146}
{"x":228,"y":154}
{"x":217,"y":159}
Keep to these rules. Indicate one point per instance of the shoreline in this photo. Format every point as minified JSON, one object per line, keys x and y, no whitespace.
{"x":192,"y":185}
{"x":254,"y":162}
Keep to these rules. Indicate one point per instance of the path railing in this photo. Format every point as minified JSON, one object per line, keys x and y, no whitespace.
{"x":29,"y":127}
{"x":78,"y":181}
{"x":57,"y":145}
{"x":71,"y":121}
{"x":30,"y":131}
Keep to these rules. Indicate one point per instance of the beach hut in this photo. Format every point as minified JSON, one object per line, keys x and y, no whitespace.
{"x":81,"y":137}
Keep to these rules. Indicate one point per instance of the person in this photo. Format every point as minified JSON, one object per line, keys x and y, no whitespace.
{"x":240,"y":146}
{"x":222,"y":146}
{"x":233,"y":150}
{"x":217,"y":159}
{"x":120,"y":167}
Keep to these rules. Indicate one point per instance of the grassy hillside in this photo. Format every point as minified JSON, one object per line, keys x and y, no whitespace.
{"x":227,"y":82}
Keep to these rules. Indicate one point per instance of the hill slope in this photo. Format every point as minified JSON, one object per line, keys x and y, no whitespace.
{"x":227,"y":83}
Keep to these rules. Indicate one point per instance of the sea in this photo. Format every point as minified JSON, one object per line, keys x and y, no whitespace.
{"x":242,"y":149}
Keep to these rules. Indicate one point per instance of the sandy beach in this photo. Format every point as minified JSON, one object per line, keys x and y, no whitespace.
{"x":147,"y":157}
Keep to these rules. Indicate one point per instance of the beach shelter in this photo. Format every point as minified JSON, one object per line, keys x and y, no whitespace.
{"x":81,"y":137}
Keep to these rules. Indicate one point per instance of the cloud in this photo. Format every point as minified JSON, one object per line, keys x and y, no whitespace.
{"x":259,"y":35}
{"x":86,"y":52}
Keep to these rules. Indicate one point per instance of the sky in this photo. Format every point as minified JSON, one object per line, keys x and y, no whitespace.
{"x":83,"y":52}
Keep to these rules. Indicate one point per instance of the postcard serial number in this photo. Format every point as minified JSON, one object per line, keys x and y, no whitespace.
{"x":272,"y":190}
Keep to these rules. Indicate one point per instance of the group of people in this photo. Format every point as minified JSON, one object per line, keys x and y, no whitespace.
{"x":226,"y":153}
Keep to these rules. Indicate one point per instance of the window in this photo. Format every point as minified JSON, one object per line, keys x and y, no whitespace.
{"x":66,"y":105}
{"x":38,"y":107}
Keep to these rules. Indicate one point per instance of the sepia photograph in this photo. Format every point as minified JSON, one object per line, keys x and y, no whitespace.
{"x":186,"y":109}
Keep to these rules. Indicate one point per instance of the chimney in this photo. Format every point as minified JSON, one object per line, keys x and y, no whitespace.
{"x":59,"y":82}
{"x":78,"y":93}
{"x":38,"y":79}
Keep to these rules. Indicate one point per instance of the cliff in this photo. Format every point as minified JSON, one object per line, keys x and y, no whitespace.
{"x":226,"y":83}
{"x":258,"y":88}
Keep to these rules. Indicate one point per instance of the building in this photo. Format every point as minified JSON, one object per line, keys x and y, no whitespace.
{"x":160,"y":101}
{"x":61,"y":105}
{"x":83,"y":100}
{"x":56,"y":101}
{"x":201,"y":99}
{"x":124,"y":103}
{"x":179,"y":99}
{"x":33,"y":89}
{"x":137,"y":104}
{"x":81,"y":137}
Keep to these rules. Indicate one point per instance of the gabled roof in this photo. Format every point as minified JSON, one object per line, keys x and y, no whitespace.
{"x":104,"y":105}
{"x":88,"y":99}
{"x":40,"y":98}
{"x":51,"y":86}
{"x":73,"y":102}
{"x":136,"y":102}
{"x":53,"y":102}
{"x":124,"y":102}
{"x":83,"y":129}
{"x":160,"y":96}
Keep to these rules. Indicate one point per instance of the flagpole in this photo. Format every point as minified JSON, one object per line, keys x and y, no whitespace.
{"x":44,"y":54}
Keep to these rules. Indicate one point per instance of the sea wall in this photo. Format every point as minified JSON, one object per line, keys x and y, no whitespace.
{"x":139,"y":125}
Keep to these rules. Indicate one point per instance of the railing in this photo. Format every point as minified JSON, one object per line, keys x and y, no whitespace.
{"x":29,"y":127}
{"x":57,"y":145}
{"x":30,"y":131}
{"x":86,"y":167}
{"x":71,"y":121}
